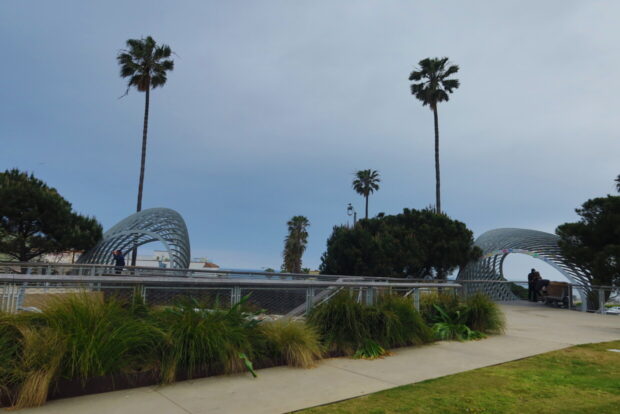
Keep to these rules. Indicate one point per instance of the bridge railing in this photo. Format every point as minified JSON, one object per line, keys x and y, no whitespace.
{"x":292,"y":297}
{"x":19,"y":282}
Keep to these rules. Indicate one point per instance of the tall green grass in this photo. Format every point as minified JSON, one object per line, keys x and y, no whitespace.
{"x":11,"y":351}
{"x":82,"y":336}
{"x":452,"y":318}
{"x":446,"y":301}
{"x":341,"y":322}
{"x":347,"y":326}
{"x":293,"y":343}
{"x":199,"y":341}
{"x":484,"y":315}
{"x":408,"y":327}
{"x":102,"y":337}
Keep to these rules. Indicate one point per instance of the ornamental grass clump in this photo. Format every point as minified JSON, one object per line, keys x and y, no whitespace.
{"x":290,"y":342}
{"x":79,"y":337}
{"x":341,"y":323}
{"x":42,"y":353}
{"x":201,"y":341}
{"x":407,"y":327}
{"x":102,"y":337}
{"x":484,"y":315}
{"x":11,"y":351}
{"x":447,"y":301}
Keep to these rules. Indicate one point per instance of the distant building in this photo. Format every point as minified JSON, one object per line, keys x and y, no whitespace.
{"x":159,"y":258}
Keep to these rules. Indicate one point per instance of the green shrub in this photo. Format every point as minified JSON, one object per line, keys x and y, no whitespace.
{"x":447,"y":301}
{"x":409,"y":327}
{"x":452,"y":325}
{"x":341,"y":323}
{"x":11,"y":351}
{"x":369,"y":349}
{"x":201,"y":341}
{"x":102,"y":337}
{"x":346,"y":326}
{"x":78,"y":336}
{"x":484,"y":315}
{"x":43,"y":351}
{"x":293,"y":343}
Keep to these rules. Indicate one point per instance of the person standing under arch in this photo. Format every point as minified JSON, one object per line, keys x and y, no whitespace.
{"x":119,"y":261}
{"x":532,"y":278}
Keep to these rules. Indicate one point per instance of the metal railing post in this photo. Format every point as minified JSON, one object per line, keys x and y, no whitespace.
{"x":309,"y":299}
{"x":601,"y":301}
{"x":235,"y":295}
{"x":464,"y":292}
{"x":416,"y":299}
{"x":370,"y":296}
{"x":570,"y":297}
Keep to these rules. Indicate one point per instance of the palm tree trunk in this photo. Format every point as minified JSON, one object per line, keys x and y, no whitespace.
{"x":437,"y":179}
{"x":366,"y":206}
{"x":145,"y":128}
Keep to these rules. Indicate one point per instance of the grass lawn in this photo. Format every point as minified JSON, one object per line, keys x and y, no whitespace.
{"x":582,"y":379}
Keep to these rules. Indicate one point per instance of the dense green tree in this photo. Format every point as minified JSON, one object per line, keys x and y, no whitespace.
{"x":417,"y":243}
{"x":35,"y":219}
{"x":295,"y":244}
{"x":145,"y":64}
{"x":366,"y":182}
{"x":435,"y":87}
{"x":594,"y":241}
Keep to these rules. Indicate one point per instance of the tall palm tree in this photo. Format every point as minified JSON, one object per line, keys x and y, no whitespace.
{"x":618,"y":183}
{"x":366,"y":183}
{"x":434,"y":87}
{"x":145,"y":63}
{"x":295,"y":244}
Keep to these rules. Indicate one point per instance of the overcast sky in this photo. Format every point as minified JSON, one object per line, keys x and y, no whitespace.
{"x":273,"y":105}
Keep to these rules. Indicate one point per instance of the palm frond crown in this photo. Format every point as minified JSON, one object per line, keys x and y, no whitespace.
{"x":295,"y":243}
{"x":366,"y":182}
{"x":434,"y":84}
{"x":145,"y":63}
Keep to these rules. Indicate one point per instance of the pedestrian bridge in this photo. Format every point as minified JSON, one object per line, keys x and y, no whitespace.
{"x":497,"y":244}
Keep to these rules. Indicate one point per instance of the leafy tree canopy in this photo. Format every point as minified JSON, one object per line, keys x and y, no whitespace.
{"x":416,"y":243}
{"x":35,"y":219}
{"x":594,"y":241}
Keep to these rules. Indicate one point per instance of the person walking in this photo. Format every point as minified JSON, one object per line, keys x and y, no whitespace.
{"x":119,"y":261}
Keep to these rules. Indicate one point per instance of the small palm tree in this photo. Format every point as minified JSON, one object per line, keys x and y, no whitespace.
{"x":145,"y":64}
{"x":366,"y":183}
{"x":434,"y":87}
{"x":295,"y":244}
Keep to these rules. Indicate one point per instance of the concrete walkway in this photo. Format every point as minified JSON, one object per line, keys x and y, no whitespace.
{"x":531,"y":330}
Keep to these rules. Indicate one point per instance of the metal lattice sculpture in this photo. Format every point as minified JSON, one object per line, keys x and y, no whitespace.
{"x":154,"y":224}
{"x":499,"y":243}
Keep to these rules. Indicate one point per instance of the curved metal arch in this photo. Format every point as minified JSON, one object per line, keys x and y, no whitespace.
{"x":154,"y":224}
{"x":497,"y":244}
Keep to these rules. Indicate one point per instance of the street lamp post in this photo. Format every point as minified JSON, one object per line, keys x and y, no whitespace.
{"x":351,"y":212}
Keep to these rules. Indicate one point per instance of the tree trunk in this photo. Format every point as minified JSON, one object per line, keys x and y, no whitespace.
{"x":134,"y":252}
{"x":366,"y":206}
{"x":437,"y":179}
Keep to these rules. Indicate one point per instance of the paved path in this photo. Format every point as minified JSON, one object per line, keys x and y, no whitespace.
{"x":531,"y":331}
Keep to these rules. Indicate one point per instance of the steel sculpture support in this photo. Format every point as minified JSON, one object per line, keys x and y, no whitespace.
{"x":154,"y":224}
{"x":499,"y":243}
